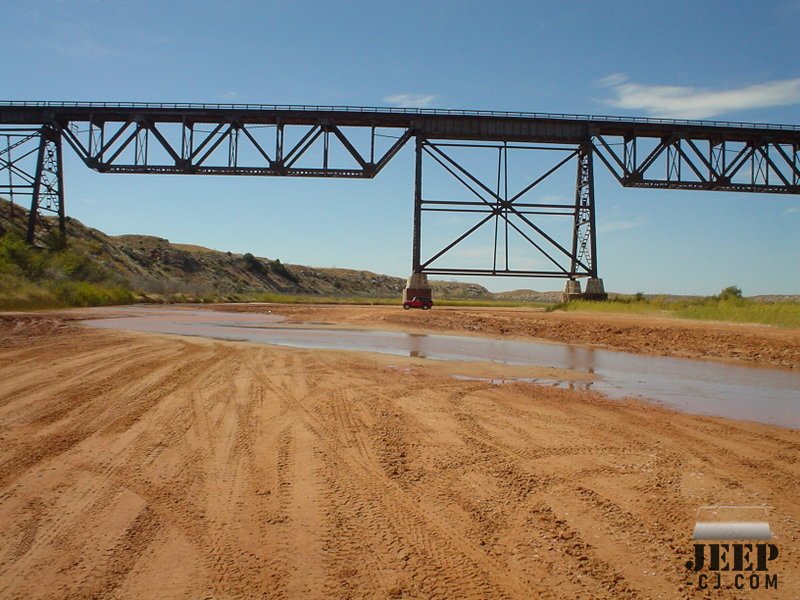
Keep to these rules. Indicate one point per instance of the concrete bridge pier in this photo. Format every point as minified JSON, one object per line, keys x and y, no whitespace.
{"x":572,"y":290}
{"x":417,"y":285}
{"x":594,"y":290}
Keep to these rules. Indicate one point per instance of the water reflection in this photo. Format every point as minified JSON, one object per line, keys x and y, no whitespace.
{"x":579,"y":358}
{"x":415,"y":345}
{"x":765,"y":395}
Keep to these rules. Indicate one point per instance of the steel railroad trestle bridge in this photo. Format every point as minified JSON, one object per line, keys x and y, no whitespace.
{"x":358,"y":142}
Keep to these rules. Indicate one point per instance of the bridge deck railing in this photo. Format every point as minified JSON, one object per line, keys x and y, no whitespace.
{"x":396,"y":110}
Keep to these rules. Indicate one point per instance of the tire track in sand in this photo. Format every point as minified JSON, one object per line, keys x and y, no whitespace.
{"x":442,"y":563}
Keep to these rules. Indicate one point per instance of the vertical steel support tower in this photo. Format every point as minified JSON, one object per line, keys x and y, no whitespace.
{"x":416,"y":250}
{"x":584,"y":237}
{"x":48,"y":184}
{"x":417,"y":284}
{"x":518,"y":212}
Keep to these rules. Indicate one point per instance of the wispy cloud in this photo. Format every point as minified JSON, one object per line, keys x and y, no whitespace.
{"x":411,"y":100}
{"x":621,"y":224}
{"x":683,"y":102}
{"x":792,"y":210}
{"x":612,"y":80}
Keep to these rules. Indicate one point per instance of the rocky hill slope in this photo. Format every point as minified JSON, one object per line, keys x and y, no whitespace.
{"x":155,"y":266}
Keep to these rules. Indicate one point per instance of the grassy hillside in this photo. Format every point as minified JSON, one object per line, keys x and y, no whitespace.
{"x":54,"y":276}
{"x":94,"y":268}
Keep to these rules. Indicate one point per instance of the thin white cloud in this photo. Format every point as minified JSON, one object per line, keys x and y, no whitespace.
{"x":612,"y":80}
{"x":792,"y":210}
{"x":621,"y":225}
{"x":684,"y":102}
{"x":411,"y":100}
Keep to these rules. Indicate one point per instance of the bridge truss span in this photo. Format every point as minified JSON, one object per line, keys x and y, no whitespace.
{"x":229,"y":147}
{"x":681,"y":161}
{"x":358,"y":142}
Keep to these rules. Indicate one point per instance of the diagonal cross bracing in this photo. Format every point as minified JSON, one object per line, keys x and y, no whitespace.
{"x":342,"y":141}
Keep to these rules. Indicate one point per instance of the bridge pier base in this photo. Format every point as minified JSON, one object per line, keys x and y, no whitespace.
{"x":572,"y":290}
{"x":594,"y":290}
{"x":417,"y":285}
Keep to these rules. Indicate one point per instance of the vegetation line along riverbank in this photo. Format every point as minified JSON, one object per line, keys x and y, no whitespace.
{"x":729,"y":305}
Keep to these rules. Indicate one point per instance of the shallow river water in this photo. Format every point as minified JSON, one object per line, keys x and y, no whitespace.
{"x":703,"y":387}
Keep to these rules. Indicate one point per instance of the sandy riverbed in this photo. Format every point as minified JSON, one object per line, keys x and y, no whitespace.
{"x":664,"y":336}
{"x":147,"y":466}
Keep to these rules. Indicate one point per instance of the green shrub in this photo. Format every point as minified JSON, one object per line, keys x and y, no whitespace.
{"x":54,"y":276}
{"x":71,"y":265}
{"x":253,"y":264}
{"x":18,"y":257}
{"x":84,"y":293}
{"x":731,"y":292}
{"x":282,"y":270}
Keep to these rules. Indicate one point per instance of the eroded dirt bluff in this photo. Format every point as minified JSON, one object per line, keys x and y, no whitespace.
{"x":146,"y":466}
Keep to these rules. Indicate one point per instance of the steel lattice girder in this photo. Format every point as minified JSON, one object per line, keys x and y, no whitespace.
{"x":196,"y":151}
{"x":510,"y":210}
{"x":640,"y":152}
{"x":681,"y":162}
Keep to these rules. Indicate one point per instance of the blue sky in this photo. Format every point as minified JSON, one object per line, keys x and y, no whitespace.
{"x":723,"y":60}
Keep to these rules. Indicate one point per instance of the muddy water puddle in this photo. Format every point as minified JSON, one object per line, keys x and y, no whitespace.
{"x":703,"y":387}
